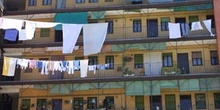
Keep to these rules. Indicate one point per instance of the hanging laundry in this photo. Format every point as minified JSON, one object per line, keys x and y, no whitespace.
{"x":196,"y":26}
{"x":70,"y":35}
{"x":50,"y":65}
{"x":12,"y":24}
{"x":9,"y":66}
{"x":208,"y":25}
{"x":23,"y":63}
{"x":94,"y":37}
{"x":83,"y":68}
{"x":1,"y":21}
{"x":44,"y":69}
{"x":184,"y":29}
{"x":92,"y":68}
{"x":76,"y":64}
{"x":22,"y":35}
{"x":32,"y":25}
{"x":11,"y":34}
{"x":32,"y":64}
{"x":56,"y":66}
{"x":174,"y":30}
{"x":70,"y":67}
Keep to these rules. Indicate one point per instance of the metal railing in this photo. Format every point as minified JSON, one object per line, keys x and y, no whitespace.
{"x":121,"y":33}
{"x":129,"y":70}
{"x":18,"y":5}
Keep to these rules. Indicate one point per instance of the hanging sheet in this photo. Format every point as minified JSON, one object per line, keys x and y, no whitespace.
{"x":94,"y":37}
{"x":208,"y":25}
{"x":70,"y":35}
{"x":174,"y":30}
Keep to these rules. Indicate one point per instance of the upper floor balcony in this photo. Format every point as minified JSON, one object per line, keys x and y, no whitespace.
{"x":53,"y":6}
{"x":114,"y":71}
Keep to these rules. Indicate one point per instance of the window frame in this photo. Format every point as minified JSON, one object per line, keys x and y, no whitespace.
{"x":138,"y":61}
{"x":46,"y":2}
{"x":197,"y":61}
{"x":217,"y":100}
{"x":110,"y":28}
{"x":137,"y":25}
{"x":93,"y":60}
{"x":109,"y":59}
{"x":80,"y":1}
{"x":201,"y":103}
{"x":214,"y":57}
{"x":32,"y":2}
{"x":166,"y":58}
{"x":164,"y":24}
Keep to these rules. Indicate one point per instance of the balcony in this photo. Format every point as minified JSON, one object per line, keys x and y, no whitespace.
{"x":118,"y":35}
{"x":35,"y":6}
{"x":128,"y":71}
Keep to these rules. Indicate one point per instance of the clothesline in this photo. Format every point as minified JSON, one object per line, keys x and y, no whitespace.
{"x":177,"y":30}
{"x":94,"y":34}
{"x":46,"y":66}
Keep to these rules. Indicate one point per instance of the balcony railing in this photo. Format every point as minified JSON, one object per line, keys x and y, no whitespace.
{"x":28,"y":5}
{"x":120,"y":33}
{"x":129,"y":70}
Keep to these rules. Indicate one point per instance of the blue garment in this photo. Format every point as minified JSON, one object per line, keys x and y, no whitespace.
{"x":39,"y":64}
{"x":102,"y":67}
{"x":11,"y":34}
{"x":76,"y":65}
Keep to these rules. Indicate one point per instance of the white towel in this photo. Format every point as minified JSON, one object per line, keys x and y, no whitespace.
{"x":22,"y":35}
{"x":208,"y":25}
{"x":83,"y":68}
{"x":94,"y":37}
{"x":12,"y":24}
{"x":174,"y":30}
{"x":32,"y":25}
{"x":196,"y":26}
{"x":70,"y":35}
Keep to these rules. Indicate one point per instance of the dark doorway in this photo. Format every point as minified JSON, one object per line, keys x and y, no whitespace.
{"x":108,"y":102}
{"x":152,"y":28}
{"x":183,"y":63}
{"x":78,"y":103}
{"x":155,"y":103}
{"x":56,"y":104}
{"x":57,"y":74}
{"x":185,"y":102}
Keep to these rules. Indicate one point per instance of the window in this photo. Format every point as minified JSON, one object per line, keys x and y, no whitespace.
{"x":212,"y":18}
{"x":93,"y":60}
{"x":26,"y":104}
{"x":93,"y":1}
{"x":214,"y":57}
{"x":167,"y":60}
{"x":110,"y":61}
{"x":58,"y":36}
{"x":108,"y":0}
{"x":137,"y":26}
{"x":217,"y":100}
{"x":197,"y":58}
{"x":45,"y":32}
{"x":164,"y":23}
{"x":193,"y":19}
{"x":32,"y":2}
{"x":138,"y":60}
{"x":79,"y":58}
{"x":200,"y":101}
{"x":110,"y":26}
{"x":41,"y":103}
{"x":80,"y":1}
{"x":47,"y":2}
{"x":92,"y":103}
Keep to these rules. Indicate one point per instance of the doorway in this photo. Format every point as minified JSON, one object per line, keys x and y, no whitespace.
{"x":139,"y":102}
{"x":155,"y":103}
{"x":185,"y":102}
{"x":183,"y":63}
{"x":152,"y":28}
{"x":56,"y":104}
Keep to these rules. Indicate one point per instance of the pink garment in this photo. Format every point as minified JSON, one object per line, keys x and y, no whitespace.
{"x":32,"y":64}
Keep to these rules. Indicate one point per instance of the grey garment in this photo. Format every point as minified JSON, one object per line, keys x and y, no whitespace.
{"x":184,"y":29}
{"x":61,"y":4}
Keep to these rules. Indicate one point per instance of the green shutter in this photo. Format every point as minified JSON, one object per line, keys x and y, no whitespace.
{"x":193,"y":19}
{"x":45,"y":32}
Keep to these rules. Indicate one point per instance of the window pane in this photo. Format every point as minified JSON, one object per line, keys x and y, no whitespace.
{"x":93,"y":60}
{"x":80,"y":1}
{"x":41,"y":103}
{"x":200,"y":101}
{"x":137,"y":26}
{"x":92,"y":103}
{"x":167,"y":60}
{"x":47,"y":2}
{"x":32,"y":2}
{"x":110,"y":27}
{"x":26,"y":104}
{"x":138,"y":60}
{"x":109,"y":60}
{"x":217,"y":100}
{"x":93,"y":1}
